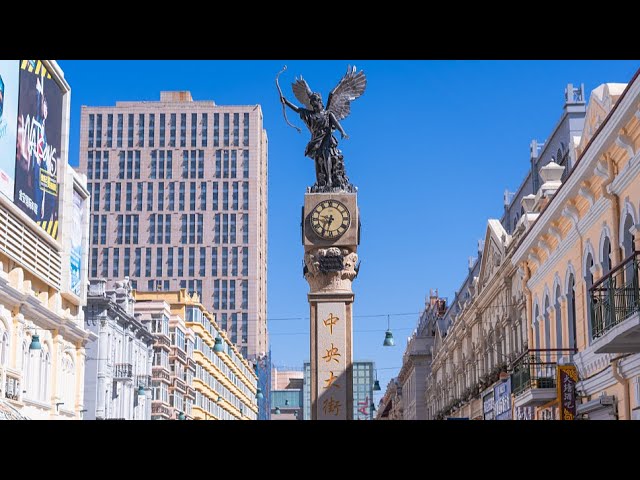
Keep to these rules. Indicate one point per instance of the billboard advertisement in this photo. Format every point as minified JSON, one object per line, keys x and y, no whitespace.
{"x":9,"y":77}
{"x":76,"y":244}
{"x":39,"y":141}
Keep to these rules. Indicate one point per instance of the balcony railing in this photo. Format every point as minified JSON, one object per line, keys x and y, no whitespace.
{"x":179,"y":384}
{"x":191,"y":364}
{"x":143,"y":381}
{"x":162,"y":340}
{"x":160,"y":373}
{"x":123,"y":371}
{"x":12,"y":388}
{"x":615,"y":297}
{"x":536,"y":369}
{"x":176,"y":352}
{"x":158,"y":409}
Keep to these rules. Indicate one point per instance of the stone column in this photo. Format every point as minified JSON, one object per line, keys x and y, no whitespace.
{"x":330,"y":238}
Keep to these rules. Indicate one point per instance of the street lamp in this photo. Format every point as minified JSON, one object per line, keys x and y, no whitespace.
{"x":259,"y":395}
{"x":277,"y":411}
{"x":35,"y":342}
{"x":388,"y":336}
{"x":218,"y":347}
{"x":141,"y":391}
{"x":181,"y":416}
{"x":376,"y":384}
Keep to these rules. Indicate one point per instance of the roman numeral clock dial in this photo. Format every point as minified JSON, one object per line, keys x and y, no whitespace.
{"x":330,"y":219}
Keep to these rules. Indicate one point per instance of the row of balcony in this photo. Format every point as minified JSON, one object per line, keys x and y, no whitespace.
{"x":160,"y":409}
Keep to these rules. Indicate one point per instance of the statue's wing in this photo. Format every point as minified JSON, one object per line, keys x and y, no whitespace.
{"x":302,"y":91}
{"x":348,"y":89}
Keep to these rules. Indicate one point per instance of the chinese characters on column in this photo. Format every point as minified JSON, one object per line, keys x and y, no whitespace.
{"x":331,"y":405}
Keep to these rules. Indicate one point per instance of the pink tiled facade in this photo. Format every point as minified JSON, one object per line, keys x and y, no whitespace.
{"x":184,"y":206}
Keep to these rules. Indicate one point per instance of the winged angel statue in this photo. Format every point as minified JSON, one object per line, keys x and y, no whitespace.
{"x":321,"y":122}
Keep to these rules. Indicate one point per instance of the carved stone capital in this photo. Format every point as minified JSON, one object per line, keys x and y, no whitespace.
{"x":330,"y":269}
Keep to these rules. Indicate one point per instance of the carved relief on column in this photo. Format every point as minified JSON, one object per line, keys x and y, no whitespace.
{"x":330,"y":269}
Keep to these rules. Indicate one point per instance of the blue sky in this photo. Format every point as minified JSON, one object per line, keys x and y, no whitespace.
{"x":433,"y":146}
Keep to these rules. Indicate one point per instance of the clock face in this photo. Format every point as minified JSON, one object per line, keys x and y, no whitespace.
{"x":330,"y":219}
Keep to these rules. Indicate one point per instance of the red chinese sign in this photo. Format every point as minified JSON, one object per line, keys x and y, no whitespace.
{"x":566,"y":379}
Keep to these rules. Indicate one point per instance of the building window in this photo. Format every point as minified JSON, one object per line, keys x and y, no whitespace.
{"x":183,"y":229}
{"x":200,"y":225}
{"x":160,"y":228}
{"x":234,"y":262}
{"x":161,"y":163}
{"x":214,"y":261}
{"x":141,"y":130}
{"x":94,"y":262}
{"x":91,"y":129}
{"x":216,"y":294}
{"x":103,"y":229}
{"x":224,"y":298}
{"x":162,"y":127}
{"x":180,"y":261}
{"x":152,"y":228}
{"x":225,"y":195}
{"x":105,"y":263}
{"x":234,"y":205}
{"x":192,"y":261}
{"x":200,"y":163}
{"x":153,"y":165}
{"x":232,"y":228}
{"x":118,"y":196}
{"x":245,"y":137}
{"x":245,"y":229}
{"x":110,"y":130}
{"x":203,"y":261}
{"x":571,"y":304}
{"x":130,"y":164}
{"x":98,"y":164}
{"x":167,"y":228}
{"x":98,"y":131}
{"x":161,"y":196}
{"x":234,"y":163}
{"x":194,"y":125}
{"x":172,"y":193}
{"x":192,"y":164}
{"x":169,"y":168}
{"x":90,"y":165}
{"x":215,"y":195}
{"x":121,"y":165}
{"x":159,"y":262}
{"x":138,"y":261}
{"x":216,"y":129}
{"x":236,"y":129}
{"x":139,"y":187}
{"x":120,"y":231}
{"x":181,"y":197}
{"x":225,"y":261}
{"x":147,"y":266}
{"x":130,"y":131}
{"x":192,"y":196}
{"x":183,"y":129}
{"x":588,"y":278}
{"x":136,"y":227}
{"x":203,"y":195}
{"x":245,"y":164}
{"x":245,"y":296}
{"x":170,"y":262}
{"x":245,"y":195}
{"x":216,"y":235}
{"x":225,"y":228}
{"x":205,"y":122}
{"x":245,"y":261}
{"x":127,"y":260}
{"x":128,"y":195}
{"x":119,"y":132}
{"x":137,"y":164}
{"x":107,"y":197}
{"x":218,"y":163}
{"x":232,"y":295}
{"x":116,"y":262}
{"x":105,"y":165}
{"x":149,"y":196}
{"x":172,"y":131}
{"x":152,"y":127}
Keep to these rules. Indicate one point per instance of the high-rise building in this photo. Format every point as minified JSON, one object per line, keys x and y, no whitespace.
{"x":179,"y":200}
{"x":44,"y":231}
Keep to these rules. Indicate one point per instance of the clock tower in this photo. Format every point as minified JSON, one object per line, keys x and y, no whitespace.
{"x":331,"y":234}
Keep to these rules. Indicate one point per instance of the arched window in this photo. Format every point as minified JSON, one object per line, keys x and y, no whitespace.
{"x":628,"y":240}
{"x":4,"y":346}
{"x":558,"y":307}
{"x":44,"y":374}
{"x":606,"y":256}
{"x":588,"y":279}
{"x":536,"y":328}
{"x":547,"y":328}
{"x":571,"y":307}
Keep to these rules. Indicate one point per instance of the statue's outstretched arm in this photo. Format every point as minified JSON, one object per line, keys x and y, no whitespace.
{"x":289,"y":104}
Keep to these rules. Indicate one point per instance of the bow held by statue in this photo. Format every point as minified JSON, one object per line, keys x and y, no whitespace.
{"x":282,"y":100}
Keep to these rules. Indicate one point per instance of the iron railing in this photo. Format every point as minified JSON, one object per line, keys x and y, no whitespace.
{"x":159,"y":409}
{"x":177,"y":352}
{"x":160,"y":373}
{"x":144,"y":381}
{"x":123,"y":371}
{"x":161,"y":340}
{"x":615,"y":297}
{"x":536,"y":368}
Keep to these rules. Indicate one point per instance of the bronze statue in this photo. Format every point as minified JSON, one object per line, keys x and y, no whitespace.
{"x":321,"y":122}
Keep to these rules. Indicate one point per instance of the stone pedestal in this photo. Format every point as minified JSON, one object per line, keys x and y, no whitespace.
{"x":330,"y":231}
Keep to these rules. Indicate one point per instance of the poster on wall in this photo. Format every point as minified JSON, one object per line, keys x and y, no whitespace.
{"x":39,"y":132}
{"x":76,"y":244}
{"x":9,"y":77}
